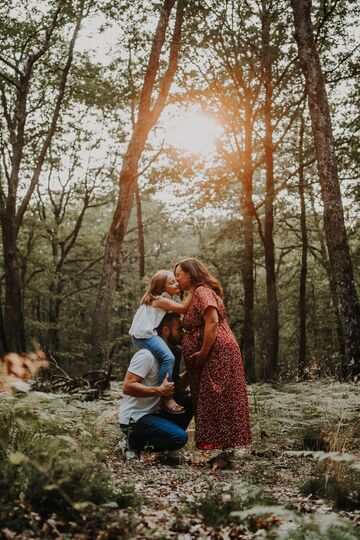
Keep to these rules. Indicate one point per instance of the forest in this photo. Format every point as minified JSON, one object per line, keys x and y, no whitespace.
{"x":132,"y":135}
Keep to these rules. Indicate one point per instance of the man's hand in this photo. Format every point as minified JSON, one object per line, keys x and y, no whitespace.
{"x":133,"y":386}
{"x":166,"y":388}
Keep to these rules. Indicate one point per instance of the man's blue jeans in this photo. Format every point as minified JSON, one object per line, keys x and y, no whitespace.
{"x":163,"y":431}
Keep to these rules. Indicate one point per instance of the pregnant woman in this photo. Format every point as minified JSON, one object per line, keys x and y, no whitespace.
{"x":213,"y":362}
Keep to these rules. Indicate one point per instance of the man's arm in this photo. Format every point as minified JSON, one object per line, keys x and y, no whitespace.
{"x":133,"y":387}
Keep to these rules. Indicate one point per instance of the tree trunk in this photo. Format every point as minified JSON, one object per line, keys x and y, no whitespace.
{"x":248,"y":334}
{"x":140,"y":231}
{"x":3,"y":343}
{"x":56,"y":290}
{"x":271,"y":366}
{"x":147,"y":117}
{"x":324,"y":260}
{"x":304,"y":253}
{"x":336,"y":239}
{"x":13,"y":310}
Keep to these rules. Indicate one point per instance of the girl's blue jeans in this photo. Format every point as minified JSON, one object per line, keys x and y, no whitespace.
{"x":158,"y":347}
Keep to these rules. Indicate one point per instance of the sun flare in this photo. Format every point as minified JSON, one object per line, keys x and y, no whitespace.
{"x":193,"y":132}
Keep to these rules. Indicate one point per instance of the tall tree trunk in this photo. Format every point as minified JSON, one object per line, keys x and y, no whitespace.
{"x":140,"y":232}
{"x":304,"y":253}
{"x":13,"y":310}
{"x":271,"y":285}
{"x":147,"y":117}
{"x":56,"y":290}
{"x":248,"y":333}
{"x":3,"y":343}
{"x":324,"y":261}
{"x":336,"y":239}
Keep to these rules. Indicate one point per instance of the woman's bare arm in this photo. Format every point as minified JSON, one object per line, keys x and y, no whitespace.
{"x":211,"y":319}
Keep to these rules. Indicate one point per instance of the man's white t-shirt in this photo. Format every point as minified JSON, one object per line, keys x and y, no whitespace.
{"x":145,"y":365}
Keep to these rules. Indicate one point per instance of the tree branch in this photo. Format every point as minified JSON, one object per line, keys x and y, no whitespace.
{"x":52,"y":128}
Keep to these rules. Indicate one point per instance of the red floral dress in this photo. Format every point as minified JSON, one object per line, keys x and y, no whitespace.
{"x":218,"y":388}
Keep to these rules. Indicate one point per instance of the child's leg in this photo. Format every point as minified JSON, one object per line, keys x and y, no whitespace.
{"x":177,"y":350}
{"x":158,"y":347}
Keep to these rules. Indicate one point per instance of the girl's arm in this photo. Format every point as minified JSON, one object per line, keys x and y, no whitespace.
{"x":171,"y":305}
{"x":211,"y":319}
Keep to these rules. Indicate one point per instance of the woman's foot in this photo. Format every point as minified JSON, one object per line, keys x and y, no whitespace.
{"x":170,"y":406}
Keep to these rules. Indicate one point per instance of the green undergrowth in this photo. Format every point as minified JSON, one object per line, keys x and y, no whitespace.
{"x":56,"y":465}
{"x":218,"y":502}
{"x":52,"y":460}
{"x":240,"y":509}
{"x":317,"y":422}
{"x":319,"y":415}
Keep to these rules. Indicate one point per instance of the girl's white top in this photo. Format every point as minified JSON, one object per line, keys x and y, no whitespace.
{"x":145,"y":321}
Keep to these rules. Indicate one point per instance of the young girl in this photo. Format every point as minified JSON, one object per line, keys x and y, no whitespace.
{"x":154,"y":304}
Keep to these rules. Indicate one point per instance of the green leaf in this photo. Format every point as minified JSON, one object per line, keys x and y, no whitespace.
{"x":16,"y":458}
{"x":82,"y":505}
{"x":111,"y":504}
{"x":50,"y":487}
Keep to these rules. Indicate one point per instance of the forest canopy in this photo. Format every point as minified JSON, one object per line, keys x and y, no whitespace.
{"x":135,"y":134}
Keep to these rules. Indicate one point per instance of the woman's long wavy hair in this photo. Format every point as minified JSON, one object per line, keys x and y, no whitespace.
{"x":199,"y":274}
{"x":156,"y":287}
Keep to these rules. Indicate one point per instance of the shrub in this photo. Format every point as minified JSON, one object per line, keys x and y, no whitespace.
{"x":322,"y":528}
{"x":343,"y":490}
{"x":218,"y":502}
{"x":52,"y":462}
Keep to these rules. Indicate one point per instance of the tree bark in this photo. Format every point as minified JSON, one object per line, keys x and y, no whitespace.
{"x":248,"y":333}
{"x":324,"y":261}
{"x":336,"y":239}
{"x":304,"y":253}
{"x":271,"y":366}
{"x":147,"y":117}
{"x":3,"y":344}
{"x":140,"y":231}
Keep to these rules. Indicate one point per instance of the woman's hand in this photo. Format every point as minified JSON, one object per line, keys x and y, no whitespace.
{"x":199,"y":357}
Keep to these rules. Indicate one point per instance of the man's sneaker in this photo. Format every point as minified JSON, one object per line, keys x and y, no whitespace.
{"x":131,"y":455}
{"x":173,"y":458}
{"x":122,"y":445}
{"x":127,"y":453}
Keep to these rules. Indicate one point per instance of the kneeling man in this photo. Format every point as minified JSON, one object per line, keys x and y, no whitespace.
{"x":147,"y":425}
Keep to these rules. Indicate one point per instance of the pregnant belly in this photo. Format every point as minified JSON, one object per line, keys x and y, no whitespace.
{"x":192,"y":342}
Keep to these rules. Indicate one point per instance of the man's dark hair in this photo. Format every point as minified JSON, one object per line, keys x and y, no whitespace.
{"x":168,"y":320}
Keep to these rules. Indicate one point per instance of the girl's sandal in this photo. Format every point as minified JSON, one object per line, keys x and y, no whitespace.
{"x":175,"y":409}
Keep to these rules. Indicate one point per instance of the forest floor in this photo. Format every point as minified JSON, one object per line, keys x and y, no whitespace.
{"x":299,"y":479}
{"x":274,"y":488}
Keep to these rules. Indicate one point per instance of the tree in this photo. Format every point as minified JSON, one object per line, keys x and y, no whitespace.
{"x":335,"y":231}
{"x":19,"y":105}
{"x":267,"y":16}
{"x":304,"y":253}
{"x":148,"y":114}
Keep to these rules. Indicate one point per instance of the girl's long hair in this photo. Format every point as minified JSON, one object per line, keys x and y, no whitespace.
{"x":156,"y":286}
{"x":199,"y":274}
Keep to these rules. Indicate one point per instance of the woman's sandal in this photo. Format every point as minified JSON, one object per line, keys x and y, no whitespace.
{"x":175,"y":409}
